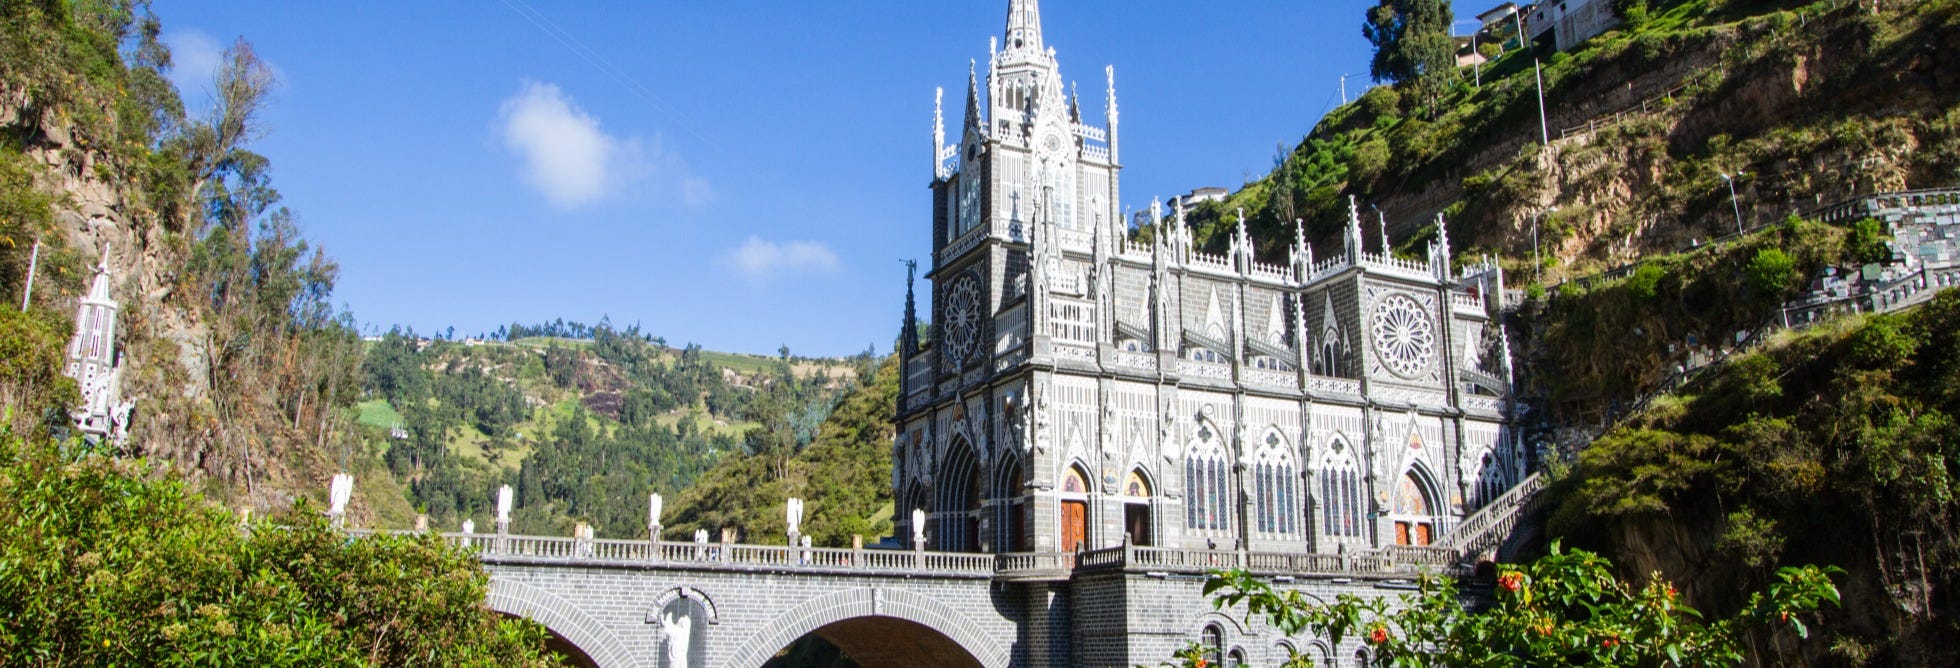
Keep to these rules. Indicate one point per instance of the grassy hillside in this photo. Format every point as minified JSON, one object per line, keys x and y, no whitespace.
{"x":1811,"y":101}
{"x":582,"y":426}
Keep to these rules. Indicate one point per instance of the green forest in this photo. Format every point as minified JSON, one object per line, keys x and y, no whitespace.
{"x":582,"y":421}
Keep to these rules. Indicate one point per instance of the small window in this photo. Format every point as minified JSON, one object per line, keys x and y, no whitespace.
{"x":1213,"y":639}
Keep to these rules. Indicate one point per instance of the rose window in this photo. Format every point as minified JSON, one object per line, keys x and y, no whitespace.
{"x":1404,"y":337}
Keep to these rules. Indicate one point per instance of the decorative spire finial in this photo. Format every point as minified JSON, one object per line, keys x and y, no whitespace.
{"x":1353,"y":237}
{"x":938,"y":134}
{"x":1109,"y":111}
{"x":1442,"y":252}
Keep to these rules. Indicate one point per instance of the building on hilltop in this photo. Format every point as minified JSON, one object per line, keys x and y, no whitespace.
{"x":93,"y":363}
{"x":1079,"y":389}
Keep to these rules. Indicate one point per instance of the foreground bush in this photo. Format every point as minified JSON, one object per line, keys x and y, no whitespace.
{"x":1565,"y":609}
{"x":112,"y":562}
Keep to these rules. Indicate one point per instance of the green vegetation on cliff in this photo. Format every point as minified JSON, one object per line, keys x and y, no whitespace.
{"x":1835,"y":445}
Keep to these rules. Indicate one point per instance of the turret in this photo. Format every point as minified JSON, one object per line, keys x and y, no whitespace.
{"x":1301,"y":256}
{"x":1439,"y":252}
{"x":1241,"y":246}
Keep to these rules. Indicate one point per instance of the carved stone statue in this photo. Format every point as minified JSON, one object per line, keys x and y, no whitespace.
{"x":503,"y":504}
{"x":679,"y":630}
{"x":793,"y":512}
{"x":339,"y":492}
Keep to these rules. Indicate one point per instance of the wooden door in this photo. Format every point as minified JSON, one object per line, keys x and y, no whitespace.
{"x":1401,"y":533}
{"x":1422,"y":534}
{"x":1075,"y":525}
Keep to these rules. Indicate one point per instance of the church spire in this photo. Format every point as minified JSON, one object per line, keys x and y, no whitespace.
{"x":1024,"y":25}
{"x":973,"y":119}
{"x":908,"y":335}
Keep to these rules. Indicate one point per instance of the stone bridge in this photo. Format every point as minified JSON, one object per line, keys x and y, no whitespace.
{"x":616,"y":603}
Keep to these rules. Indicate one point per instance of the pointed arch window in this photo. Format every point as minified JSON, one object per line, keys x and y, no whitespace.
{"x":1490,"y":480}
{"x":1206,"y":483}
{"x":1274,"y":490}
{"x":1341,"y":493}
{"x":1328,"y":362}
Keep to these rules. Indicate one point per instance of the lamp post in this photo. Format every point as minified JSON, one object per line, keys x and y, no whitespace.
{"x":1476,"y":58}
{"x":1544,"y":132}
{"x":1730,"y":180}
{"x":1537,"y":265}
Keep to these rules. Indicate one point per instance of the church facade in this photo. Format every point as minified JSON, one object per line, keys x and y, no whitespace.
{"x":1079,"y":388}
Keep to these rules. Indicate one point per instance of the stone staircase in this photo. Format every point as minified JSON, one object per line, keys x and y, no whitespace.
{"x":1488,"y":529}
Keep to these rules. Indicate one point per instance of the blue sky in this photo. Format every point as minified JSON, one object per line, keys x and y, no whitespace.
{"x":739,"y":174}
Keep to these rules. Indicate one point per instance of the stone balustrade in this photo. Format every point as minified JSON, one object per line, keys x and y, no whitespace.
{"x":1394,"y":560}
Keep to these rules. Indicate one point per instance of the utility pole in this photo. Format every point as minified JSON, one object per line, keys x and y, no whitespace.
{"x":33,"y":261}
{"x":1344,"y":99}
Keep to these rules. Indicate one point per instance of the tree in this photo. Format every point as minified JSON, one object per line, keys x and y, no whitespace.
{"x":1412,"y":45}
{"x":1567,"y":608}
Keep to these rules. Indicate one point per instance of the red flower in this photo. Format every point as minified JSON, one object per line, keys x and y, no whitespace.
{"x":1512,"y":581}
{"x":1378,"y":636}
{"x":1609,"y":643}
{"x":1202,"y":663}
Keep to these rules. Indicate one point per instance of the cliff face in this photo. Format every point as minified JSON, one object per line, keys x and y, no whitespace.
{"x":242,"y":377}
{"x":1803,"y":104}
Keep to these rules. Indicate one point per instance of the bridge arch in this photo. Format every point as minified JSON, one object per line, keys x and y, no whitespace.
{"x":952,"y":632}
{"x":597,"y":642}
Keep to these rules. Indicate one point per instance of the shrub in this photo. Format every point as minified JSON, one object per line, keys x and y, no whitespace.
{"x":1565,"y":609}
{"x":106,"y":562}
{"x":1773,"y":272}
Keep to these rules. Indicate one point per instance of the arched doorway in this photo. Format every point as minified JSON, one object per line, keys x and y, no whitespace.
{"x":1414,"y":509}
{"x":1136,"y":508}
{"x":958,"y":508}
{"x":1010,"y":505}
{"x":1075,"y":510}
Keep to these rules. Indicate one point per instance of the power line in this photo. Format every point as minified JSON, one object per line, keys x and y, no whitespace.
{"x":593,"y":57}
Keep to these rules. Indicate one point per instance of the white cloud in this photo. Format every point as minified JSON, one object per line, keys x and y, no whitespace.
{"x":194,"y":61}
{"x":760,"y":261}
{"x":569,"y":159}
{"x":566,"y":156}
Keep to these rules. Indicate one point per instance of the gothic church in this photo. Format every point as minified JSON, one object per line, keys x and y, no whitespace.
{"x":1079,"y":388}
